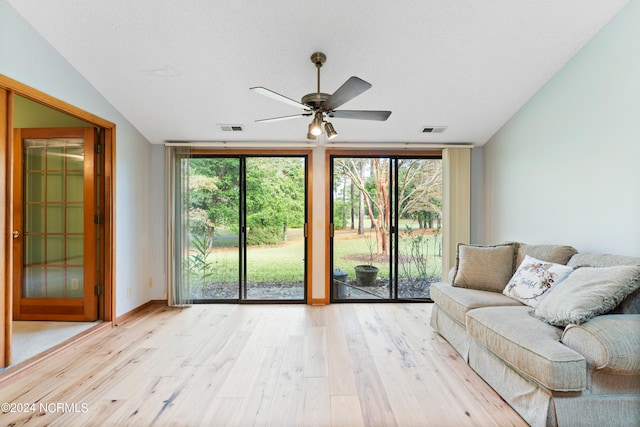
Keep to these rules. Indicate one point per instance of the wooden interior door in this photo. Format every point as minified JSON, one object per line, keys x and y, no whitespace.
{"x":55,"y":235}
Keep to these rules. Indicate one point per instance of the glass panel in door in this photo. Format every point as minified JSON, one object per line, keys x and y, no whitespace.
{"x":361,"y":228}
{"x":54,"y":216}
{"x":419,"y":226}
{"x":214,"y":228}
{"x":275,"y":228}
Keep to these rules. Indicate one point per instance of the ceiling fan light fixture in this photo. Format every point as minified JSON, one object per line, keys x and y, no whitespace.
{"x":316,"y":125}
{"x":310,"y":134}
{"x":331,"y":132}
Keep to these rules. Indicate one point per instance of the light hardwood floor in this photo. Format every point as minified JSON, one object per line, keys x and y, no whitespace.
{"x":260,"y":365}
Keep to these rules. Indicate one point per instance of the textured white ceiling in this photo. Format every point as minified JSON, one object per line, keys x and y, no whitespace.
{"x":178,"y":69}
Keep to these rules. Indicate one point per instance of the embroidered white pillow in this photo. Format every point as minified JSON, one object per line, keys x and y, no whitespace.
{"x":533,"y":279}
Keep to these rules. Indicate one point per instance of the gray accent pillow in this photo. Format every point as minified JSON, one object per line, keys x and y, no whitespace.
{"x":486,"y":268}
{"x":586,"y":293}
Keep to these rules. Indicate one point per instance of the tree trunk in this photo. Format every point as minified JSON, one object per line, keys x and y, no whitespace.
{"x":361,"y":201}
{"x":351,"y":204}
{"x":344,"y":202}
{"x":384,"y":206}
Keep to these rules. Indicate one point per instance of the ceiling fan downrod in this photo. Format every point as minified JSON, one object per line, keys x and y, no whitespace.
{"x":316,"y":99}
{"x":318,"y":58}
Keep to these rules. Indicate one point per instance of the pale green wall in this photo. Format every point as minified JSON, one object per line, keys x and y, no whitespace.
{"x":29,"y":114}
{"x":566,"y":168}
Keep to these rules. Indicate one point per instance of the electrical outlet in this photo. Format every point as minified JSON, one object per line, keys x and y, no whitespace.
{"x":129,"y":291}
{"x":75,"y":284}
{"x":149,"y":283}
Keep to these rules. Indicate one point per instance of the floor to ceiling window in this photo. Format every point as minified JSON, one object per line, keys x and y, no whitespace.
{"x":386,"y":227}
{"x":243,"y":224}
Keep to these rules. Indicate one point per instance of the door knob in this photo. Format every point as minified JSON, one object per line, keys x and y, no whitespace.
{"x":16,"y":234}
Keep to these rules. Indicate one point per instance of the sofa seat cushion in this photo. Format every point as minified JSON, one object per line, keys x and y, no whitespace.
{"x":456,"y":302}
{"x":529,"y":346}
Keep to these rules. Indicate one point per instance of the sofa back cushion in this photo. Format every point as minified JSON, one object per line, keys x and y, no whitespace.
{"x":557,"y":254}
{"x":601,"y":260}
{"x":631,"y":304}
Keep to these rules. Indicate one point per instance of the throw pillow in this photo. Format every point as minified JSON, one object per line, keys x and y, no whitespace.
{"x":487,"y":268}
{"x":533,"y":279}
{"x":586,"y":293}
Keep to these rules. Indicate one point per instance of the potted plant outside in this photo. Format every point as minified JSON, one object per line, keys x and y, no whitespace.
{"x":366,"y":274}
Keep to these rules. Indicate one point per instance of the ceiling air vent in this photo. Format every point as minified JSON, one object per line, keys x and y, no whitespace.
{"x":433,"y":129}
{"x":231,"y":128}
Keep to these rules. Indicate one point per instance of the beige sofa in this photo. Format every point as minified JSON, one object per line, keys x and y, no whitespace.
{"x":576,"y":375}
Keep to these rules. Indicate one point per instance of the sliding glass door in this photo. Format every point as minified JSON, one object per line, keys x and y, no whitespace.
{"x":244,"y":228}
{"x":386,"y":240}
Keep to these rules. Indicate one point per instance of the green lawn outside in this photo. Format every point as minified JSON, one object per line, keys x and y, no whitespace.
{"x":285,"y":262}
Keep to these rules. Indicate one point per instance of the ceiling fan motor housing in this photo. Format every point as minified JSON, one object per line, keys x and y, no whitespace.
{"x":315,"y":100}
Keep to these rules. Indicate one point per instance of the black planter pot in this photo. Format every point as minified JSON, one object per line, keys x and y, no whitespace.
{"x":340,"y":284}
{"x":366,"y":275}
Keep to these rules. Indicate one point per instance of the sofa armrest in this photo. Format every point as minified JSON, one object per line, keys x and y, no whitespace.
{"x":610,"y":342}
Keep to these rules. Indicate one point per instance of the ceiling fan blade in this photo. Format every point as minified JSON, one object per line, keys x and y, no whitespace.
{"x":273,"y":95}
{"x":277,"y":119}
{"x":353,"y":87}
{"x":361,"y":114}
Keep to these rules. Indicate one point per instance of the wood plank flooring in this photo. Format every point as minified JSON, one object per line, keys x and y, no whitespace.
{"x":259,"y":365}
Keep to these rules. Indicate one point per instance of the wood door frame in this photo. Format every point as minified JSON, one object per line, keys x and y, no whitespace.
{"x":9,"y":88}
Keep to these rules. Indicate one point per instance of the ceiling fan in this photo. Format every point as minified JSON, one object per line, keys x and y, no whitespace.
{"x":321,"y":105}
